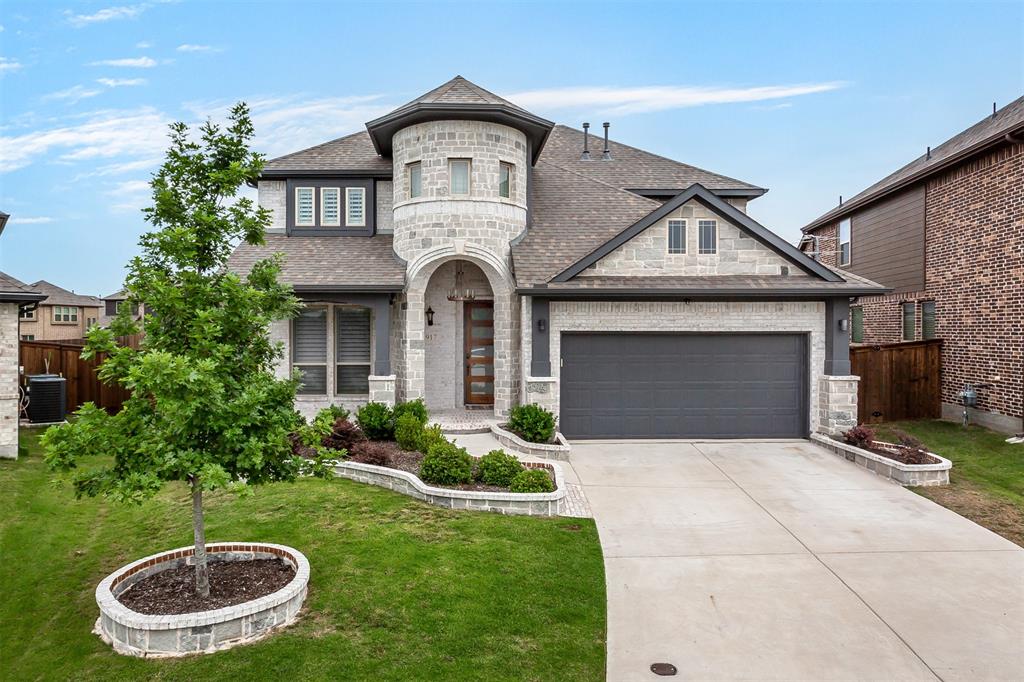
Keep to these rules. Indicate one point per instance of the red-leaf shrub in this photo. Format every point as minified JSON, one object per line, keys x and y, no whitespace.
{"x":370,"y":452}
{"x":343,"y":436}
{"x":860,"y":436}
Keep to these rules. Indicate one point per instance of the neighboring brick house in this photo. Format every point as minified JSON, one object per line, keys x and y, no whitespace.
{"x":464,"y":250}
{"x":61,"y":315}
{"x":14,"y":297}
{"x":946,"y":233}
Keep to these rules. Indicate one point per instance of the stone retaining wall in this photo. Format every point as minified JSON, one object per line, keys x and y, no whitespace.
{"x":157,"y":636}
{"x":904,"y":474}
{"x":557,"y":450}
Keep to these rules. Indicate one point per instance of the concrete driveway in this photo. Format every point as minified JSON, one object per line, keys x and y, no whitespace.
{"x":780,"y":561}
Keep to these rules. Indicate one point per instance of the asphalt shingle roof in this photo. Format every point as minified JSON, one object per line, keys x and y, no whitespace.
{"x":56,"y":295}
{"x":14,"y":288}
{"x":353,"y":152}
{"x":459,"y":91}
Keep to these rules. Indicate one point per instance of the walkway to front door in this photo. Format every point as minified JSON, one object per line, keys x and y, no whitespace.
{"x":780,"y":561}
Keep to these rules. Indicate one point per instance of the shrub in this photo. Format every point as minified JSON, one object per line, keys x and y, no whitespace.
{"x":429,"y":437}
{"x":497,"y":467}
{"x":408,"y":430}
{"x":532,"y":423}
{"x":413,"y":407}
{"x":532,"y":481}
{"x":343,"y":436}
{"x":446,"y":464}
{"x":370,"y":452}
{"x":377,"y":421}
{"x":860,"y":436}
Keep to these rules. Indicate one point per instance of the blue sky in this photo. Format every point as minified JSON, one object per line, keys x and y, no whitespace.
{"x":809,"y":100}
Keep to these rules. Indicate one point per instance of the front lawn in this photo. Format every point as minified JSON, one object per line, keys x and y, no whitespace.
{"x":399,"y":589}
{"x":987,"y":479}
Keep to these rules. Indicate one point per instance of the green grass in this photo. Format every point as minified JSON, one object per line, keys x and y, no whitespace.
{"x":399,"y":589}
{"x":987,"y":479}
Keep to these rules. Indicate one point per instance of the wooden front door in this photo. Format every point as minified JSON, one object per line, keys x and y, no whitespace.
{"x":478,"y":342}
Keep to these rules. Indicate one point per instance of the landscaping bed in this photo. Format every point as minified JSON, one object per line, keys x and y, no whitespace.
{"x":907,"y":462}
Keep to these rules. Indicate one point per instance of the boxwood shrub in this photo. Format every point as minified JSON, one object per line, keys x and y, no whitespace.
{"x":413,"y":407}
{"x":377,"y":421}
{"x":532,"y":423}
{"x":497,"y":467}
{"x":532,"y":481}
{"x":446,"y":464}
{"x":408,"y":431}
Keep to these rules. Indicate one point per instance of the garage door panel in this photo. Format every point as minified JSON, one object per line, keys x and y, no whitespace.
{"x":684,"y":385}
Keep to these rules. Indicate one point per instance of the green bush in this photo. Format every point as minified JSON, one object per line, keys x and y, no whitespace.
{"x":408,"y":431}
{"x":413,"y":407}
{"x":430,"y":436}
{"x":497,"y":467}
{"x":532,"y":481}
{"x":377,"y":421}
{"x":532,"y":423}
{"x":446,"y":464}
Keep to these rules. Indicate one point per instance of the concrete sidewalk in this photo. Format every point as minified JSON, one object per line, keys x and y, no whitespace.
{"x":780,"y":561}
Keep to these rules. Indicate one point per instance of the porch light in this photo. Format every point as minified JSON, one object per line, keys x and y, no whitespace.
{"x":430,"y":317}
{"x":542,"y":325}
{"x":843,"y":325}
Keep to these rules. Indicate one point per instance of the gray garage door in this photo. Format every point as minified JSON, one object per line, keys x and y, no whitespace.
{"x":684,"y":386}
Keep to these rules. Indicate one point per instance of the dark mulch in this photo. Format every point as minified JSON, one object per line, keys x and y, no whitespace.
{"x":405,"y":460}
{"x":231,"y":582}
{"x":904,"y":455}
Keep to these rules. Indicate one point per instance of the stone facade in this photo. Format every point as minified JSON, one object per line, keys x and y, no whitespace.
{"x":837,"y":404}
{"x":647,"y":255}
{"x":385,"y":207}
{"x":9,"y":380}
{"x":272,"y":195}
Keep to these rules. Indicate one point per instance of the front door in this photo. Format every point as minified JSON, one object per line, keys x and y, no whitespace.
{"x":478,"y":342}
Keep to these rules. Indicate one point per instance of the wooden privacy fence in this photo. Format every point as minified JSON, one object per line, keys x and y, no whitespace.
{"x":83,"y":385}
{"x":898,"y":381}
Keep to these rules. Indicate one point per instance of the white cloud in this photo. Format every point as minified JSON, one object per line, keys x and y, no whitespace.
{"x":105,"y":14}
{"x":132,"y":62}
{"x":73,"y":94}
{"x":130,"y":195}
{"x":35,"y":220}
{"x":143,"y":45}
{"x":120,"y":82}
{"x":188,"y":47}
{"x":7,"y":64}
{"x":633,"y":100}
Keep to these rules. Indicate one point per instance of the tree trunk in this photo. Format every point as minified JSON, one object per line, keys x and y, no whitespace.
{"x":199,"y":533}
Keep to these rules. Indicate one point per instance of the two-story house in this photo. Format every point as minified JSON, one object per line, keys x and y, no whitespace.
{"x":61,"y":315}
{"x":946,"y":234}
{"x":464,"y":250}
{"x":15,"y":296}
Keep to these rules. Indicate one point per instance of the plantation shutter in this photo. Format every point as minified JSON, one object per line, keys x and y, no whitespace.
{"x":909,"y":321}
{"x":309,"y":350}
{"x":352,"y":350}
{"x":858,"y":325}
{"x":928,"y":320}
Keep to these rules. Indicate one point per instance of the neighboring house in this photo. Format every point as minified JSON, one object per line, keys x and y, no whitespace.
{"x":467,"y":251}
{"x":112,"y":304}
{"x":946,"y":233}
{"x":14,"y":297}
{"x":61,"y":315}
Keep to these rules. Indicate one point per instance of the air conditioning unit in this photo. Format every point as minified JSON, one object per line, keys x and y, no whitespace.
{"x":47,"y":396}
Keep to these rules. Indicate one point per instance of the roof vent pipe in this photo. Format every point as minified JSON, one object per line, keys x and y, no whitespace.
{"x":928,"y":154}
{"x":840,"y":199}
{"x":993,"y":109}
{"x":585,"y":156}
{"x":607,"y":155}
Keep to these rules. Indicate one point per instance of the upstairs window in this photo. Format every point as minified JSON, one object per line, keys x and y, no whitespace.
{"x":27,"y":314}
{"x":857,"y":328}
{"x":909,"y":321}
{"x":505,"y":180}
{"x":415,"y":180}
{"x":330,"y":206}
{"x":677,"y":236}
{"x":352,"y":350}
{"x":305,"y":213}
{"x":844,"y":241}
{"x":309,"y":350}
{"x":708,"y":237}
{"x":64,"y":313}
{"x":458,"y":174}
{"x":355,"y":206}
{"x":928,"y":320}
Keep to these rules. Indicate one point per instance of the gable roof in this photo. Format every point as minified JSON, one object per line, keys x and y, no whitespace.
{"x":727,"y":212}
{"x":350,"y":155}
{"x":56,"y":295}
{"x":458,"y":91}
{"x":983,"y":135}
{"x":14,"y":290}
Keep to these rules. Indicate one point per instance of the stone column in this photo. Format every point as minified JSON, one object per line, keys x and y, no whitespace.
{"x":837,"y":404}
{"x":9,"y":380}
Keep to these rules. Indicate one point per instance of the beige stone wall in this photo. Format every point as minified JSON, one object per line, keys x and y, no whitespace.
{"x":8,"y":380}
{"x":43,"y":328}
{"x":647,"y":254}
{"x":272,"y":196}
{"x":385,"y":207}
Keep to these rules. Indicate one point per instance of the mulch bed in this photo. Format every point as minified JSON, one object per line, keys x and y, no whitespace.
{"x":231,"y":582}
{"x":904,"y":455}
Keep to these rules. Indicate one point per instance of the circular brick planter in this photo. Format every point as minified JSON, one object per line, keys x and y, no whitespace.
{"x":138,"y":634}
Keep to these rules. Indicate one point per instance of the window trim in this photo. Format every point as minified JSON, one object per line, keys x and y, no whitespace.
{"x":367,"y":230}
{"x":502,"y":165}
{"x":61,"y":311}
{"x":701,"y":249}
{"x":28,"y":337}
{"x":323,"y":210}
{"x":348,"y":215}
{"x":469,"y":177}
{"x":683,"y":236}
{"x":849,"y":241}
{"x":409,"y":168}
{"x":27,"y":315}
{"x":911,"y":307}
{"x":312,"y":222}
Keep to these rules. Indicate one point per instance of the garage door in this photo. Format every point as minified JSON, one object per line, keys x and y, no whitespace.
{"x":684,"y":386}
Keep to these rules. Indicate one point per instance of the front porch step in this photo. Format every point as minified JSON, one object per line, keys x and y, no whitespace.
{"x":464,"y":421}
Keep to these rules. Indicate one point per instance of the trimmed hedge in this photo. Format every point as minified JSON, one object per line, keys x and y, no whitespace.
{"x":446,"y":464}
{"x":532,"y":423}
{"x":498,"y":467}
{"x":532,"y":481}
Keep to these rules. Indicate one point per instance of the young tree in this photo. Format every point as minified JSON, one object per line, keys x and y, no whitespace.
{"x":205,"y":406}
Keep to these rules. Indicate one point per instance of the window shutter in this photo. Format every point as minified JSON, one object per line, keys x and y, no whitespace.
{"x":309,"y":350}
{"x":928,"y":320}
{"x":352,"y":338}
{"x":304,"y":212}
{"x":355,"y":206}
{"x":908,"y":321}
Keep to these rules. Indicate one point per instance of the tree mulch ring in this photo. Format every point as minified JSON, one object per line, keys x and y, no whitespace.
{"x":173,"y":591}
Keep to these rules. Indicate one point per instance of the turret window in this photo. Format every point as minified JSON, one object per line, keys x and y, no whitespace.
{"x":458,"y":174}
{"x":505,"y":180}
{"x":415,"y":180}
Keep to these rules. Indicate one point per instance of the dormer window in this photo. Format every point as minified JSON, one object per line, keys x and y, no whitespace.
{"x":505,"y":180}
{"x":305,"y":213}
{"x":355,"y":206}
{"x":330,"y":206}
{"x":677,"y":236}
{"x":707,"y":233}
{"x":415,"y":179}
{"x":458,"y":174}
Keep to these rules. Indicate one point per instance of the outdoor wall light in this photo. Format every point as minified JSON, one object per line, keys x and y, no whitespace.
{"x":843,"y":325}
{"x":430,"y":317}
{"x":542,"y":325}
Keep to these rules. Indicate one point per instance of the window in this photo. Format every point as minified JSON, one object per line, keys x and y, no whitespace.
{"x":844,"y":241}
{"x":708,"y":234}
{"x":458,"y":175}
{"x":909,"y":321}
{"x":352,"y":350}
{"x":857,"y":326}
{"x":26,"y":314}
{"x":505,"y":180}
{"x":28,"y":337}
{"x":305,"y":213}
{"x":309,"y":350}
{"x":355,"y":206}
{"x":64,"y":313}
{"x":330,"y":206}
{"x":677,"y":236}
{"x":928,"y":320}
{"x":415,"y":180}
{"x":90,"y":322}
